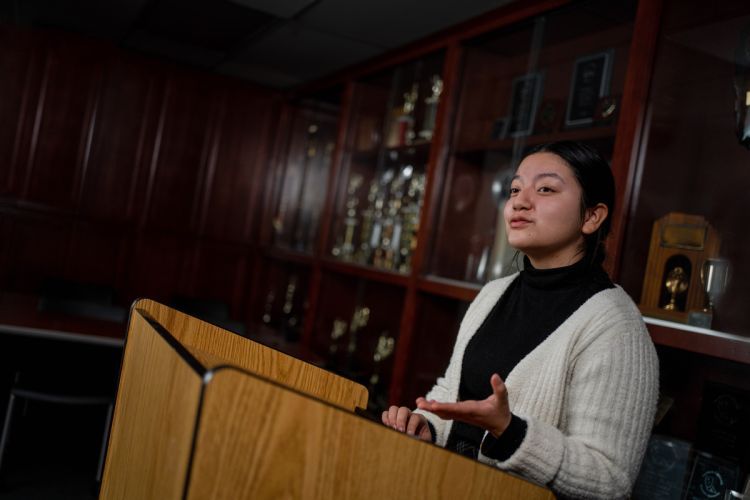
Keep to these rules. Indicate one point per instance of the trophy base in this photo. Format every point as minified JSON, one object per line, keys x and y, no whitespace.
{"x":661,"y":313}
{"x":700,"y":318}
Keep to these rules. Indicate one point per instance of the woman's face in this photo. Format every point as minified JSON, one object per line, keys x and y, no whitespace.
{"x":543,"y":214}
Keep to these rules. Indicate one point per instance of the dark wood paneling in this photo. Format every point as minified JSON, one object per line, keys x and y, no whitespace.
{"x":97,"y":255}
{"x":237,"y":166}
{"x":218,"y":272}
{"x":124,"y":129}
{"x":62,"y":119}
{"x":160,"y":267}
{"x":19,"y":86}
{"x":37,"y":250}
{"x":180,"y":155}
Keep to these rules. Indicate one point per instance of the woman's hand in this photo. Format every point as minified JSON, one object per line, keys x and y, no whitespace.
{"x":404,"y":420}
{"x":491,"y":414}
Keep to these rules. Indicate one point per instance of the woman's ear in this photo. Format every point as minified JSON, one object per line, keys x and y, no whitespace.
{"x":594,"y":217}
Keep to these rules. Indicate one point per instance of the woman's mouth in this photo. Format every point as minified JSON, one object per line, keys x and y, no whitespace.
{"x":519,"y":223}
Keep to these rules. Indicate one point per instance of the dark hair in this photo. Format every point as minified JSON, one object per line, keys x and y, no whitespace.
{"x":597,"y":184}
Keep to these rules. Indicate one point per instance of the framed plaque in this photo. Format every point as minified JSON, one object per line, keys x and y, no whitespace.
{"x":590,"y":82}
{"x":711,"y":478}
{"x":664,"y":470}
{"x":524,"y":101}
{"x":723,"y":421}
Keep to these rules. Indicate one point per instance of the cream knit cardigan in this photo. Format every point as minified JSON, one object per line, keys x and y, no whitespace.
{"x":587,"y":393}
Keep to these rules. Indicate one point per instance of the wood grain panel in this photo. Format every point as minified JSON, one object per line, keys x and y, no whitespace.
{"x":19,"y":65}
{"x":236,"y":165}
{"x":98,"y":254}
{"x":37,"y":249}
{"x":218,"y":272}
{"x":176,"y":178}
{"x":259,"y":440}
{"x":62,"y":121}
{"x":239,"y":351}
{"x":154,"y":419}
{"x":123,"y":137}
{"x":160,"y":266}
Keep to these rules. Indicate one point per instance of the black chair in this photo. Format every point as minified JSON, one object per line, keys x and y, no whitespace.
{"x":53,"y":372}
{"x":20,"y":394}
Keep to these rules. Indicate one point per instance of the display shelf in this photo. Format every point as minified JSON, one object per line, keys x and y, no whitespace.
{"x":287,"y":255}
{"x":366,"y":272}
{"x":418,"y":150}
{"x":592,"y":134}
{"x":445,"y":287}
{"x":699,"y":340}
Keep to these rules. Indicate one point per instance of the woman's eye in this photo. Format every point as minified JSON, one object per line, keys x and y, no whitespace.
{"x":514,"y":190}
{"x":546,"y":189}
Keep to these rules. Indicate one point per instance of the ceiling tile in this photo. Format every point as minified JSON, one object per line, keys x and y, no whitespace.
{"x":280,"y":8}
{"x":110,"y":19}
{"x":391,"y":23}
{"x":304,"y":52}
{"x":213,"y":24}
{"x":145,"y":42}
{"x":262,"y":75}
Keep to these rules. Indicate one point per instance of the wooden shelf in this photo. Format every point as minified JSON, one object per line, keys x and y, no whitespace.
{"x":287,"y":255}
{"x":699,"y":340}
{"x":419,"y":149}
{"x":580,"y":134}
{"x":366,"y":272}
{"x":445,"y":287}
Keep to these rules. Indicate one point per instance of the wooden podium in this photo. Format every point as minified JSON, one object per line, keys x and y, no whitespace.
{"x":204,"y":413}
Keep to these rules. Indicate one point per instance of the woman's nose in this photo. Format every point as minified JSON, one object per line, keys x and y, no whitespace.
{"x":520,"y":200}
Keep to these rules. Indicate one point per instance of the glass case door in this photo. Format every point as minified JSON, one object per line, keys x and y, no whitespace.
{"x":558,"y":76}
{"x":379,"y":197}
{"x":301,"y":194}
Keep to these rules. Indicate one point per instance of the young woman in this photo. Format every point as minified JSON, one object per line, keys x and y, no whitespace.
{"x":553,"y":375}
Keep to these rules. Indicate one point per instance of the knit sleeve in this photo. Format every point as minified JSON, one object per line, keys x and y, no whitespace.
{"x":607,"y":418}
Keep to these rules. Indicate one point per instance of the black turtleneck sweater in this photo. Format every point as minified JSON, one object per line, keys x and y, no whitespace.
{"x":534,"y":305}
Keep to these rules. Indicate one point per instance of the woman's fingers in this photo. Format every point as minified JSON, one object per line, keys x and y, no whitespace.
{"x":498,"y":386}
{"x":390,"y":416}
{"x":414,"y":426}
{"x":402,"y":418}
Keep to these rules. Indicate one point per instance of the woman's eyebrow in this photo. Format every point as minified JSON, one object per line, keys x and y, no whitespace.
{"x":539,"y":176}
{"x":549,"y":174}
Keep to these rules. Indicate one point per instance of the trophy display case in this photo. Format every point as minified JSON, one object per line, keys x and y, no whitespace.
{"x":306,"y":160}
{"x":382,"y":179}
{"x":556,"y":76}
{"x":694,"y":159}
{"x":356,"y":331}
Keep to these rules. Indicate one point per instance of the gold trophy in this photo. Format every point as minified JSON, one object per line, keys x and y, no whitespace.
{"x":268,"y":307}
{"x":430,"y":108}
{"x":676,"y":283}
{"x":383,"y":350}
{"x":402,"y":127}
{"x":345,"y":249}
{"x":338,"y":331}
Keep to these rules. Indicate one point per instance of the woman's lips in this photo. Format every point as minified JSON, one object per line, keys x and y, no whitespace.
{"x":519,"y":223}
